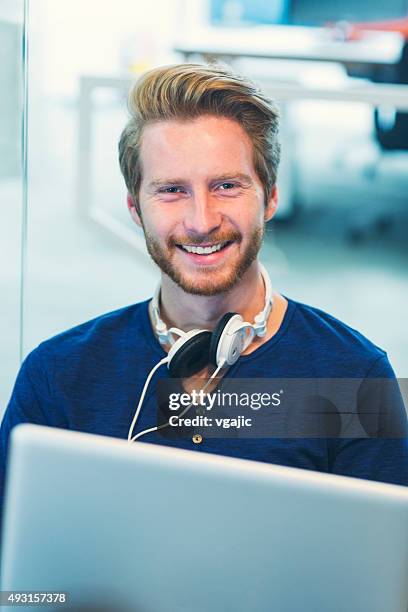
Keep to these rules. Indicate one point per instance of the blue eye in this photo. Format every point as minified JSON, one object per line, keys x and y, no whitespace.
{"x":171,"y":190}
{"x":227,"y":186}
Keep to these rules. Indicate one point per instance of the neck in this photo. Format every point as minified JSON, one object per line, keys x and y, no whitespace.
{"x":187,"y":311}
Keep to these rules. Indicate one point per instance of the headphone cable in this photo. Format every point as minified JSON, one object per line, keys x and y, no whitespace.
{"x":146,"y":431}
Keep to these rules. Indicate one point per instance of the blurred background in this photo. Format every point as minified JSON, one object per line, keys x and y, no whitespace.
{"x":338,"y":69}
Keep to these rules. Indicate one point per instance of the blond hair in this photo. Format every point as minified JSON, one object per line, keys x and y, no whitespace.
{"x":187,"y":91}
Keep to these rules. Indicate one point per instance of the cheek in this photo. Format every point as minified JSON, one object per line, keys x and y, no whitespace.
{"x":158,"y":225}
{"x":251,"y":217}
{"x":252,"y":208}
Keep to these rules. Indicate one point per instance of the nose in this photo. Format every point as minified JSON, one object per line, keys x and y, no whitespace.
{"x":203,"y":215}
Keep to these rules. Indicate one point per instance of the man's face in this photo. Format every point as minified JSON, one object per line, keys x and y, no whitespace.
{"x":201,"y":202}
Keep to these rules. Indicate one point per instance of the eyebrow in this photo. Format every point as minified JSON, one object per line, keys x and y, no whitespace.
{"x":245,"y":178}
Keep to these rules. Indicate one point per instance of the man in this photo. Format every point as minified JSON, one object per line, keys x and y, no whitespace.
{"x":200,"y":156}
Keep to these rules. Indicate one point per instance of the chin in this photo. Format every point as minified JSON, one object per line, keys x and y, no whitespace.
{"x":208,"y":282}
{"x":206,"y":287}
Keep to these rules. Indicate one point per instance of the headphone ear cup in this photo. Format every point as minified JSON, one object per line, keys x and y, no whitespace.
{"x":216,"y":335}
{"x":191,"y":357}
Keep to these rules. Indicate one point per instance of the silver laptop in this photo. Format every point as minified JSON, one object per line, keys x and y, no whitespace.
{"x":145,"y":528}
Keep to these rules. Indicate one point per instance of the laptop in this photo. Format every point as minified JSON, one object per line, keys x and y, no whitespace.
{"x":148,"y":528}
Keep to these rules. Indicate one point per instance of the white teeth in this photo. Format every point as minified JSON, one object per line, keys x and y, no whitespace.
{"x":203,"y":250}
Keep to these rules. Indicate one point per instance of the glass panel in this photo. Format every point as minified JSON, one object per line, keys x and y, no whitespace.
{"x":85,"y":256}
{"x":11,"y":192}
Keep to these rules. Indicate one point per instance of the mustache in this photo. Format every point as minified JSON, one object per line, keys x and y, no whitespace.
{"x":197,"y":240}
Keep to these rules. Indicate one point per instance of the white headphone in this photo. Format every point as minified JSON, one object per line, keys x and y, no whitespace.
{"x":231,"y":336}
{"x":194,"y":349}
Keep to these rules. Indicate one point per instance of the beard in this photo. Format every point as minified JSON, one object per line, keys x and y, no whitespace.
{"x":209,"y":280}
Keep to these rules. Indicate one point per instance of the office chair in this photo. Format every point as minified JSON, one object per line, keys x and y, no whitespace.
{"x":390,"y":126}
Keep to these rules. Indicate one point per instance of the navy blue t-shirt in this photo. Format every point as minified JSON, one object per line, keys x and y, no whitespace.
{"x":90,"y":379}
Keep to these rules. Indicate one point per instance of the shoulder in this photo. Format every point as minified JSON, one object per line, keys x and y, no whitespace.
{"x":91,"y":357}
{"x":330,"y":339}
{"x":112,"y":330}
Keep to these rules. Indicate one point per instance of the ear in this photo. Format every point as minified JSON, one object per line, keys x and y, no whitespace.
{"x":272,"y":204}
{"x":133,"y":210}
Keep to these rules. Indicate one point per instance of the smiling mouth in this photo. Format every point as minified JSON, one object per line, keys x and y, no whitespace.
{"x":204,"y":250}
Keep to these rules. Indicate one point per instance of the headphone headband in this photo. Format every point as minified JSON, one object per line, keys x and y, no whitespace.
{"x":165,"y":335}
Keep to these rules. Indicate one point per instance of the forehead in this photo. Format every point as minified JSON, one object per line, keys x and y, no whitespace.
{"x":199,"y":146}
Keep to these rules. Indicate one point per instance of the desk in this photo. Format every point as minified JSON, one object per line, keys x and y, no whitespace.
{"x":290,"y":43}
{"x":349,"y":90}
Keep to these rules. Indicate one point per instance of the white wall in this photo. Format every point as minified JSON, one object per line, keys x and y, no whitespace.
{"x":69,"y":38}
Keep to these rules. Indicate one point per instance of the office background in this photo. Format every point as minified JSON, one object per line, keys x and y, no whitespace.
{"x":340,"y":244}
